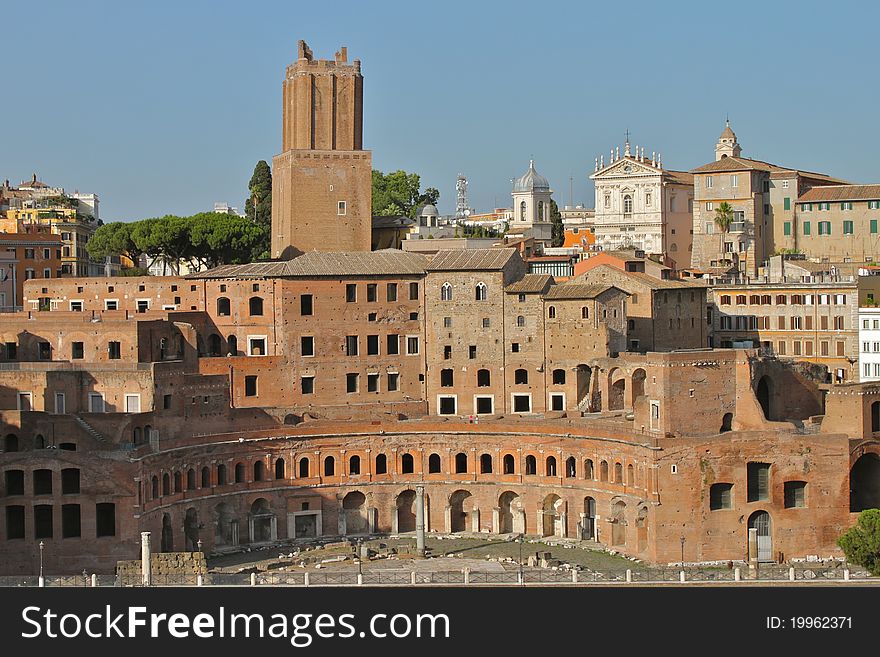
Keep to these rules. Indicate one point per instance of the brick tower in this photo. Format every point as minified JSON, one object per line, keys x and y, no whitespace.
{"x":321,"y":181}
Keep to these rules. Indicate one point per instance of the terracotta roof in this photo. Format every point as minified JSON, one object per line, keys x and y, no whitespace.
{"x":568,"y":291}
{"x":530,"y":283}
{"x":680,"y":177}
{"x":732,"y":163}
{"x":841,"y":193}
{"x":344,"y":263}
{"x":471,"y":259}
{"x":646,"y":280}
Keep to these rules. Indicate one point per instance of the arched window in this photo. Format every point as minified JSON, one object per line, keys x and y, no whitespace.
{"x":446,"y":292}
{"x":540,"y":210}
{"x":406,"y":464}
{"x":239,"y":473}
{"x":255,"y":306}
{"x":551,"y":312}
{"x":434,"y":463}
{"x":630,"y":475}
{"x":508,"y":464}
{"x":154,"y":487}
{"x":136,"y":435}
{"x":329,"y":466}
{"x":522,"y":211}
{"x":206,"y":477}
{"x":481,"y":292}
{"x":178,"y":482}
{"x":531,"y":465}
{"x":191,"y":479}
{"x":166,"y":484}
{"x":551,"y":466}
{"x":232,"y":342}
{"x":520,"y":321}
{"x":521,"y":376}
{"x":570,"y":467}
{"x":354,"y":465}
{"x":221,"y":474}
{"x":588,"y":469}
{"x":483,"y":378}
{"x":627,"y":204}
{"x":259,"y":471}
{"x":39,"y":442}
{"x":559,"y":377}
{"x":215,"y":344}
{"x":10,"y":443}
{"x":381,"y":464}
{"x":460,"y":463}
{"x":486,"y":463}
{"x":603,"y":471}
{"x":585,"y":312}
{"x":223,"y":307}
{"x":618,"y":473}
{"x":279,"y":468}
{"x":304,"y":468}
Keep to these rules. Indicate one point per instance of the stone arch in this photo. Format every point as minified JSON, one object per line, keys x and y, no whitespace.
{"x":510,"y":513}
{"x":603,"y":470}
{"x":279,"y":468}
{"x":136,"y":435}
{"x":239,"y":473}
{"x":461,"y":463}
{"x":206,"y":477}
{"x":354,"y":464}
{"x":329,"y":466}
{"x":726,"y":423}
{"x":553,"y":508}
{"x":259,"y":470}
{"x":642,"y":528}
{"x":638,"y":383}
{"x":761,"y":521}
{"x":191,"y":479}
{"x":381,"y":464}
{"x":178,"y":482}
{"x":154,"y":487}
{"x":215,"y":345}
{"x":232,"y":344}
{"x":571,"y":467}
{"x":221,"y":474}
{"x":764,"y":393}
{"x":407,"y":464}
{"x":434,"y":463}
{"x":405,"y":505}
{"x":618,"y":523}
{"x":354,"y":506}
{"x":166,"y":484}
{"x":191,"y":528}
{"x":550,"y":466}
{"x":304,"y":467}
{"x":485,"y":464}
{"x":864,"y":483}
{"x":531,"y":465}
{"x":459,"y":515}
{"x":508,"y":464}
{"x":616,"y":389}
{"x":262,"y":521}
{"x":618,"y":472}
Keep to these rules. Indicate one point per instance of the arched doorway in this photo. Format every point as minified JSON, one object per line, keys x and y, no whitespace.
{"x":510,"y":513}
{"x":864,"y":483}
{"x":262,"y":521}
{"x":191,"y":530}
{"x":458,"y":513}
{"x":642,"y":528}
{"x":638,"y":384}
{"x":553,"y":516}
{"x":583,"y":375}
{"x":406,"y":512}
{"x":588,"y":527}
{"x":764,"y":391}
{"x":354,"y":505}
{"x":616,"y":390}
{"x":167,"y":542}
{"x":618,"y":523}
{"x":726,"y":422}
{"x":760,"y":520}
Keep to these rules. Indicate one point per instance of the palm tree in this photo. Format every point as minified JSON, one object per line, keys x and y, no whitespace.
{"x":723,"y":219}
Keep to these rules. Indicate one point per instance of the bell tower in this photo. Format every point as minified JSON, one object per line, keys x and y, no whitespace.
{"x":727,"y":145}
{"x":321,"y":181}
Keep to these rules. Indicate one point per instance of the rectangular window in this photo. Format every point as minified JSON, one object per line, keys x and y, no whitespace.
{"x":485,"y":322}
{"x":447,"y":352}
{"x":824,"y":227}
{"x":873,"y":226}
{"x":133,"y":403}
{"x":758,"y":482}
{"x":372,"y":293}
{"x":786,"y":228}
{"x":392,"y":344}
{"x":720,"y":497}
{"x":786,"y":203}
{"x":522,"y":403}
{"x":351,"y":345}
{"x":256,"y":346}
{"x":250,"y":385}
{"x":447,"y":322}
{"x":305,"y":304}
{"x":350,"y":293}
{"x":393,"y":381}
{"x":76,"y":306}
{"x":372,"y":345}
{"x":846,"y":205}
{"x":77,"y":351}
{"x":307,"y":345}
{"x":847,"y":227}
{"x":96,"y":403}
{"x":372,"y":383}
{"x":484,"y":405}
{"x":795,"y":494}
{"x":412,"y":345}
{"x":391,"y":292}
{"x":307,"y":384}
{"x":105,"y":519}
{"x":111,"y":304}
{"x":60,"y":405}
{"x":734,"y":180}
{"x":709,"y":182}
{"x":43,"y":521}
{"x":806,"y":225}
{"x":114,"y":350}
{"x":413,"y":291}
{"x":341,"y":209}
{"x":447,"y":405}
{"x":71,"y":525}
{"x":514,"y":347}
{"x":351,"y":382}
{"x":472,"y":351}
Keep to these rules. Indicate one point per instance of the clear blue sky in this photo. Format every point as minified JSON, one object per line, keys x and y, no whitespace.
{"x":165,"y":107}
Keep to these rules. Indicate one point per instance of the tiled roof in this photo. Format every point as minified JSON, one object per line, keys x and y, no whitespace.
{"x":530,"y":283}
{"x":345,"y":263}
{"x":680,"y":177}
{"x":646,"y":280}
{"x":575,"y":291}
{"x":841,"y":193}
{"x":732,"y":163}
{"x":471,"y":259}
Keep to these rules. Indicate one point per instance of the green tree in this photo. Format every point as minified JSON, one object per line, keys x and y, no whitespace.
{"x":224,"y":239}
{"x":114,"y":239}
{"x":558,"y":231}
{"x":397,"y":194}
{"x":723,"y":219}
{"x":164,"y":239}
{"x":861,"y":543}
{"x":258,"y":206}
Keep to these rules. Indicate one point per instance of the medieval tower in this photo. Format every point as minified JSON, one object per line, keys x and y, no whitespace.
{"x":321,"y":181}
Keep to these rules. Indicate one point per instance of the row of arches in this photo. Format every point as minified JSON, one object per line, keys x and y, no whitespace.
{"x":12,"y":443}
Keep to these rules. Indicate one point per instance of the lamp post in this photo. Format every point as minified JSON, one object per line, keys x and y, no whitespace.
{"x":41,"y":559}
{"x":360,"y":556}
{"x":521,"y":578}
{"x":682,"y":551}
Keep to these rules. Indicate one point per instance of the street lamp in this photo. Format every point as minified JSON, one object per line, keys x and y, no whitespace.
{"x":41,"y":559}
{"x":199,"y":546}
{"x":682,"y":551}
{"x":521,"y":579}
{"x":360,"y":556}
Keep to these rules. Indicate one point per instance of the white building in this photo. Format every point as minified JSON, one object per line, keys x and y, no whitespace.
{"x":531,"y":205}
{"x":869,"y":344}
{"x":641,"y":205}
{"x":88,"y":204}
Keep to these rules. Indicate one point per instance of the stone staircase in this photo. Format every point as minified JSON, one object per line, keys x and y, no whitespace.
{"x":89,"y":429}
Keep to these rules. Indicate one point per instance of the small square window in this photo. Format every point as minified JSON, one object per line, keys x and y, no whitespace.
{"x":341,"y":208}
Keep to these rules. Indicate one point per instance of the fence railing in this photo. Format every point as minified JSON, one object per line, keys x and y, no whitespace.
{"x":528,"y":576}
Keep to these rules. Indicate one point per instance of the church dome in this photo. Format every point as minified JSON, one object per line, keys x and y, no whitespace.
{"x":429,"y":211}
{"x":532,"y":181}
{"x":728,"y":133}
